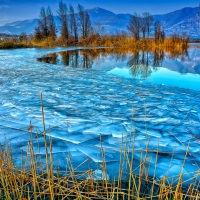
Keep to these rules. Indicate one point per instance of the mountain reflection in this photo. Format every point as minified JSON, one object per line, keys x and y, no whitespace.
{"x":141,"y":63}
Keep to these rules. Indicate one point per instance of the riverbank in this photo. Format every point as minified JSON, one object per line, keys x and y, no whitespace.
{"x":174,"y":43}
{"x":15,"y":45}
{"x":95,"y":40}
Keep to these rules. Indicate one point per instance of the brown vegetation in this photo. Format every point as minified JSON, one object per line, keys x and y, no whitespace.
{"x":12,"y":42}
{"x":36,"y":180}
{"x":13,"y":45}
{"x":76,"y":30}
{"x":174,"y":42}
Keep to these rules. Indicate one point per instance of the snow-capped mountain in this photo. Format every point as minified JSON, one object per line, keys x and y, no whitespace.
{"x":185,"y":20}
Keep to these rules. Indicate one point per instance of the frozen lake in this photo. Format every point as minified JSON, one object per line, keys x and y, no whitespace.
{"x":92,"y":96}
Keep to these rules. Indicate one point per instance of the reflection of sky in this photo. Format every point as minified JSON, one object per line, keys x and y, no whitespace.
{"x":190,"y":64}
{"x":108,"y":63}
{"x":176,"y":65}
{"x":172,"y":78}
{"x":166,"y":77}
{"x":174,"y":72}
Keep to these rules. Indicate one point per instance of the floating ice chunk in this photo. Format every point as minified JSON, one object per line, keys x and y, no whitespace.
{"x":150,"y":132}
{"x":184,"y":109}
{"x":199,"y":116}
{"x":99,"y":175}
{"x":113,"y":140}
{"x":141,"y":119}
{"x":77,"y":120}
{"x":140,"y":137}
{"x":95,"y":153}
{"x":8,"y":104}
{"x":97,"y":131}
{"x":174,"y":143}
{"x":164,"y":107}
{"x":76,"y":153}
{"x":123,"y":103}
{"x":91,"y":152}
{"x":79,"y":127}
{"x":161,"y":120}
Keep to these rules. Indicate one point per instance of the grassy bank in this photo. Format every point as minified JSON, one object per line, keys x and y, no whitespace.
{"x":15,"y":45}
{"x":95,"y":40}
{"x":125,"y":41}
{"x":175,"y":43}
{"x":37,"y":180}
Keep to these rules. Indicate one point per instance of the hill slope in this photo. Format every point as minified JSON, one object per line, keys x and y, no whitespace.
{"x":184,"y":20}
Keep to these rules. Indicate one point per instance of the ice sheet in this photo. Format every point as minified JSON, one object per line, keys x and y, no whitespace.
{"x":82,"y":105}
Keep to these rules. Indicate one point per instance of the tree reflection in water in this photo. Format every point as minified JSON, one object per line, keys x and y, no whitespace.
{"x":50,"y":58}
{"x":141,"y":63}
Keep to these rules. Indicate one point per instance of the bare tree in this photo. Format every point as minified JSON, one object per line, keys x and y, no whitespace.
{"x":98,"y":29}
{"x":23,"y":37}
{"x":85,"y":22}
{"x":159,"y":33}
{"x":51,"y":23}
{"x":146,"y":21}
{"x":134,"y":26}
{"x":143,"y":25}
{"x":157,"y":29}
{"x":63,"y":17}
{"x":42,"y":23}
{"x":37,"y":34}
{"x":149,"y":21}
{"x":73,"y":24}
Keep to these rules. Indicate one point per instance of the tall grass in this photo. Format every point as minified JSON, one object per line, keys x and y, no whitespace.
{"x":37,"y":180}
{"x":174,"y":42}
{"x":12,"y":44}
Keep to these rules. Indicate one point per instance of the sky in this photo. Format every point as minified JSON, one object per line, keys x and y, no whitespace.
{"x":13,"y":10}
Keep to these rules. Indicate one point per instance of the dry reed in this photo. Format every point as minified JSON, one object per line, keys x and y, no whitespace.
{"x":37,"y":180}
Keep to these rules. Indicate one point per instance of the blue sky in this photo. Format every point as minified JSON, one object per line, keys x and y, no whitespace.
{"x":13,"y":10}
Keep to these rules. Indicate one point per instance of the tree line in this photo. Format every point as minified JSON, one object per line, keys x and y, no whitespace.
{"x":140,"y":27}
{"x":72,"y":25}
{"x":138,"y":61}
{"x":75,"y":28}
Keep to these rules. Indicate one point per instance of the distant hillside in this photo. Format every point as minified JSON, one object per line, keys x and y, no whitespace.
{"x":19,"y":27}
{"x":111,"y":21}
{"x":184,"y":20}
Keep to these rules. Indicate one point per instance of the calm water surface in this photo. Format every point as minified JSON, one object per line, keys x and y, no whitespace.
{"x":181,"y":69}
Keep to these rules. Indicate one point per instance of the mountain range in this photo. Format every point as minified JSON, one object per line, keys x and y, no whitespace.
{"x":185,"y":20}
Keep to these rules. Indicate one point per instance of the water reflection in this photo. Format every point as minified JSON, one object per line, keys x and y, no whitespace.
{"x":141,"y":63}
{"x":50,"y":58}
{"x":182,"y":54}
